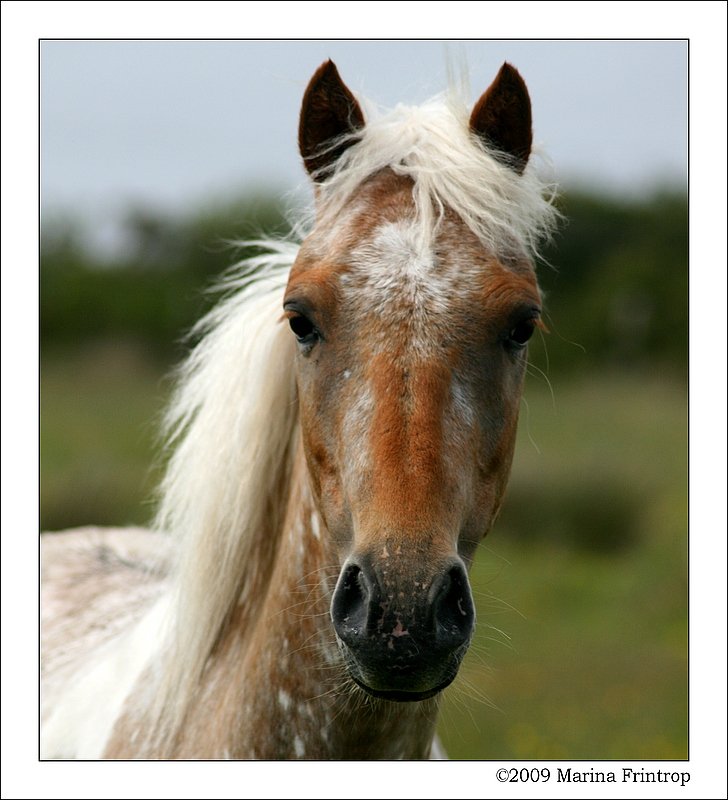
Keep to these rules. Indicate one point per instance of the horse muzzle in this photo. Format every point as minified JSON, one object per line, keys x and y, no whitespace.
{"x":402,"y":637}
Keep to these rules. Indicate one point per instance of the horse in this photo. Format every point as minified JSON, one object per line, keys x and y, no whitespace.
{"x":340,"y":440}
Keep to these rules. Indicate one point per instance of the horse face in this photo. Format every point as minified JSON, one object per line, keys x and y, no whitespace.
{"x":411,"y":357}
{"x":410,"y":365}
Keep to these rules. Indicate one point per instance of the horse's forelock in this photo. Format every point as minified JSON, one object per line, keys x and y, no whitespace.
{"x":450,"y":168}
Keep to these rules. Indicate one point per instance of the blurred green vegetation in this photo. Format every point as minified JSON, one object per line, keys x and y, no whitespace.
{"x":157,"y":286}
{"x":619,"y":283}
{"x":100,"y":408}
{"x":581,"y":647}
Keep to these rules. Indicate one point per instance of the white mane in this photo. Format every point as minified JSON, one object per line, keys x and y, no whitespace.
{"x":233,"y":417}
{"x":231,"y":423}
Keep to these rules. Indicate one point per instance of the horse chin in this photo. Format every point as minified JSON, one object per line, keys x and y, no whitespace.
{"x":384,"y":683}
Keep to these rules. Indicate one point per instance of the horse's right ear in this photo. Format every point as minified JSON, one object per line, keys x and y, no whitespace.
{"x":329,"y":111}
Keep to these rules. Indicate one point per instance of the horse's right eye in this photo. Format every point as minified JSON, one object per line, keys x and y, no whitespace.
{"x":304,"y":329}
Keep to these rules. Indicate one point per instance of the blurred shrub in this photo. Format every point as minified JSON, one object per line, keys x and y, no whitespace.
{"x":157,"y":289}
{"x":600,"y":516}
{"x":616,"y":290}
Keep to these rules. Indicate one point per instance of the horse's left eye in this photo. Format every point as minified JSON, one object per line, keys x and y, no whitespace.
{"x":520,"y":334}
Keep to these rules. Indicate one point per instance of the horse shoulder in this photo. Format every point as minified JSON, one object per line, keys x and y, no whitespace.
{"x":98,"y":586}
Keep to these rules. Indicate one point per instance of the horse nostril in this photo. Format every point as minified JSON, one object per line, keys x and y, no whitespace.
{"x":452,"y":608}
{"x":350,"y":603}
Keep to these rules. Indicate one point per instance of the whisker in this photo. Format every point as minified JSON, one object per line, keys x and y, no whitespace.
{"x":553,"y":329}
{"x":528,"y":425}
{"x":538,"y":372}
{"x":474,"y":693}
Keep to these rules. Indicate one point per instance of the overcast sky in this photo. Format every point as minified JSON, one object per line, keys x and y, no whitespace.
{"x":170,"y":124}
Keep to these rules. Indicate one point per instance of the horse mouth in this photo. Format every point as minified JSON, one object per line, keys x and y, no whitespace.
{"x":399,"y":696}
{"x":386,"y":680}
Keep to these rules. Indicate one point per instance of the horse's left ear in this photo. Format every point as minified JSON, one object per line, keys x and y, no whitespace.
{"x":502,"y":118}
{"x":329,"y":111}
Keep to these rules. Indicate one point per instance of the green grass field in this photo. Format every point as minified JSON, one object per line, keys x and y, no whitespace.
{"x":581,"y":646}
{"x":100,"y":409}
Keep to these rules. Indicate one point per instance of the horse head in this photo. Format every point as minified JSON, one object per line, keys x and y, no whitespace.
{"x":411,"y":303}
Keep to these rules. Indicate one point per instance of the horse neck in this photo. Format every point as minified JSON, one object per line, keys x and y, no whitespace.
{"x":280,"y":689}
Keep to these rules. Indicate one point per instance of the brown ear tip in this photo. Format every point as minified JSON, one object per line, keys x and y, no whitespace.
{"x":511,"y":73}
{"x":325,"y":73}
{"x":326,"y":70}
